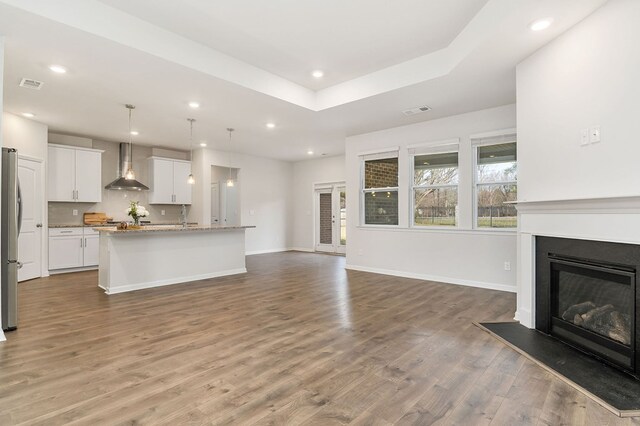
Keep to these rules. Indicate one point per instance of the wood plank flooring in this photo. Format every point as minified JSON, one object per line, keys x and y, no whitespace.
{"x":297,"y":340}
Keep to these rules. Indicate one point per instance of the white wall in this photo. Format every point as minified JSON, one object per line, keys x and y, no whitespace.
{"x":27,"y":136}
{"x":586,"y":77}
{"x":305,"y":175}
{"x":265,"y":196}
{"x":461,"y":256}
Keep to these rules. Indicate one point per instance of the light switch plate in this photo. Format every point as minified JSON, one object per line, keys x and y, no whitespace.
{"x":75,"y":212}
{"x":594,"y":135}
{"x":162,"y":212}
{"x":584,"y":137}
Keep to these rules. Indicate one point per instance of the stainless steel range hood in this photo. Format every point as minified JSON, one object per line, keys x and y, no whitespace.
{"x":124,"y":163}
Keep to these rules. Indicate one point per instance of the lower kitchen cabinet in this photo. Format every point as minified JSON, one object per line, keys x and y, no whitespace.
{"x":91,"y":250}
{"x":72,"y":248}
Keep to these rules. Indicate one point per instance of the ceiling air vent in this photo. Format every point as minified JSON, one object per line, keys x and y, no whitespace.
{"x":416,"y":110}
{"x":31,"y":84}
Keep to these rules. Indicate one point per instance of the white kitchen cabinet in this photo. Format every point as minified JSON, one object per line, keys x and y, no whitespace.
{"x":91,"y":250}
{"x":168,"y":183}
{"x":75,"y":174}
{"x":66,"y":247}
{"x":181,"y":188}
{"x":73,"y":248}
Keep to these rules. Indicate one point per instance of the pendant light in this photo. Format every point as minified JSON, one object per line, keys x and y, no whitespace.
{"x":130,"y":175}
{"x":190,"y":179}
{"x":230,"y":181}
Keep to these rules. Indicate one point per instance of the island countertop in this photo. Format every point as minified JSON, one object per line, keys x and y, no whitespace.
{"x":168,"y":228}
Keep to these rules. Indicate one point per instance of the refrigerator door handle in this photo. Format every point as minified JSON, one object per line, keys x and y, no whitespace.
{"x":19,"y":208}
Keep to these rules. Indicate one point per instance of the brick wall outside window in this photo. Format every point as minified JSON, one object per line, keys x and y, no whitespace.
{"x":381,"y":173}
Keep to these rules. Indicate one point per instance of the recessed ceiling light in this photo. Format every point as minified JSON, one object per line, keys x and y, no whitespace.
{"x":135,"y":133}
{"x":310,"y":152}
{"x":58,"y":69}
{"x":194,"y":105}
{"x":202,"y":144}
{"x":28,"y":114}
{"x":541,"y":24}
{"x":271,"y":125}
{"x":317,"y":74}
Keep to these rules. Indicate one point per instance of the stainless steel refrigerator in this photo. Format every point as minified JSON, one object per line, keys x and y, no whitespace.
{"x":11,"y":218}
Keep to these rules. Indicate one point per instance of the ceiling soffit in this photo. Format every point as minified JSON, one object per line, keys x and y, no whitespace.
{"x":104,"y":21}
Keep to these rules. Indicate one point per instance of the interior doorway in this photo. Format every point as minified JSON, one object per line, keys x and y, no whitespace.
{"x":331,"y":218}
{"x":225,"y":202}
{"x":30,"y":238}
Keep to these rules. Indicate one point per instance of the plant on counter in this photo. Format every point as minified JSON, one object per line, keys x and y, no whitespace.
{"x":136,"y":211}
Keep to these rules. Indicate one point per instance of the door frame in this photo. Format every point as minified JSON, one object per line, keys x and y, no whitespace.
{"x":44,"y":234}
{"x":332,"y":188}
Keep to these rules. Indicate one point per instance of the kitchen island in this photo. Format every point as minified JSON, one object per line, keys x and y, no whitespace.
{"x":154,"y":256}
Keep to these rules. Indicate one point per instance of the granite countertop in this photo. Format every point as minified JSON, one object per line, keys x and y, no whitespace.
{"x":165,"y":228}
{"x":109,"y":225}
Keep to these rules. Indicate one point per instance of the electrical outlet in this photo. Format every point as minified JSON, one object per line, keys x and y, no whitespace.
{"x":507,"y":266}
{"x":162,"y":212}
{"x":252,"y":212}
{"x":75,"y":212}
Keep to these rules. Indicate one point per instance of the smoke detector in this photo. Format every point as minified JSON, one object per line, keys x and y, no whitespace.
{"x":416,"y":110}
{"x":30,"y":83}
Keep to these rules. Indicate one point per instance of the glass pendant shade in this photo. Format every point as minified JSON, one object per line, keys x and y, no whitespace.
{"x":191,"y":180}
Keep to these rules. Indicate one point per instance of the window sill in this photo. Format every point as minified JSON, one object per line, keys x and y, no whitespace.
{"x":436,"y":230}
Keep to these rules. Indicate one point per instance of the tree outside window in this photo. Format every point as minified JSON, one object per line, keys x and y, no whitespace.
{"x":496,"y":184}
{"x":435,"y":189}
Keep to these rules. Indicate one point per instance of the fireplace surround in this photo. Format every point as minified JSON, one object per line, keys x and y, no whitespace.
{"x":586,"y":296}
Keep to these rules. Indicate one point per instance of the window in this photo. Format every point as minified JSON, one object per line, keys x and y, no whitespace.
{"x":496,"y":183}
{"x":380,"y":191}
{"x":435,"y":189}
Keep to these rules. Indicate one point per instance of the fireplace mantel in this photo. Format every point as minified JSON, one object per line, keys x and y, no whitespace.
{"x":613,"y":219}
{"x":602,"y":204}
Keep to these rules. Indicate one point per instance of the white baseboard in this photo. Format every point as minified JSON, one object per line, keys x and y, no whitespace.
{"x":278,"y":250}
{"x":524,"y":317}
{"x":304,"y":249}
{"x":170,"y":281}
{"x":68,"y":270}
{"x":426,"y":277}
{"x":2,"y":338}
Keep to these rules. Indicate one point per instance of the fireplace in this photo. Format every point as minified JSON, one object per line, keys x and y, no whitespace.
{"x":586,"y":297}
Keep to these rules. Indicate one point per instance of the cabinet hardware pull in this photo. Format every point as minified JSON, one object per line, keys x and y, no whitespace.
{"x":66,"y":232}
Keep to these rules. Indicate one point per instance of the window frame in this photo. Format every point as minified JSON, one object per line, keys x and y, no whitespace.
{"x":378,"y":155}
{"x":500,"y":138}
{"x":451,"y":146}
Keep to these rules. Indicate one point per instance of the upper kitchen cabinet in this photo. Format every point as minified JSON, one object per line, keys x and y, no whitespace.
{"x":75,"y":174}
{"x":169,"y":181}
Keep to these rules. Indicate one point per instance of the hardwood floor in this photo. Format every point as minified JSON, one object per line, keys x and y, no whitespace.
{"x":297,"y":340}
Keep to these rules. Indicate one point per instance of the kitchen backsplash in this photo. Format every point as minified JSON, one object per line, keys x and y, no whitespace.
{"x":115,"y":203}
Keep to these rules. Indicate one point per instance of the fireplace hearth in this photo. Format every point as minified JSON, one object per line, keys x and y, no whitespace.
{"x":586,"y":297}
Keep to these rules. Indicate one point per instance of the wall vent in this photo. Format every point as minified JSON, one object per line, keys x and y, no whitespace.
{"x":30,"y":83}
{"x":416,"y":110}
